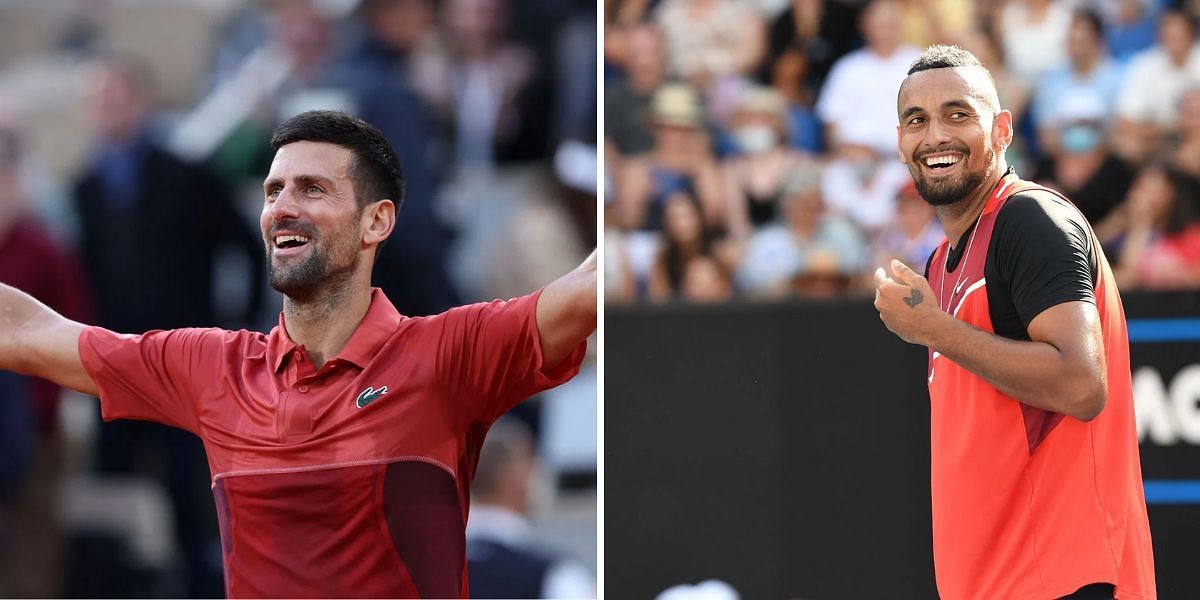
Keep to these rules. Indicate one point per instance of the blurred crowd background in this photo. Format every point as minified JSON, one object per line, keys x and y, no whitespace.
{"x":133,"y":144}
{"x":750,"y":145}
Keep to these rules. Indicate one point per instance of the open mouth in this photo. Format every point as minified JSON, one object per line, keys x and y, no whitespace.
{"x":290,"y":244}
{"x":942,"y":162}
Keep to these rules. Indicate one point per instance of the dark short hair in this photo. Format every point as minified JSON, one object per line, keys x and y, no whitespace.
{"x":952,"y":57}
{"x":943,"y":57}
{"x":1091,"y":18}
{"x":376,"y":170}
{"x":1181,"y":15}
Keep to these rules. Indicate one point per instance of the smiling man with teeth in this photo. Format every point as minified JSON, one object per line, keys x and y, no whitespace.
{"x":342,"y":444}
{"x":1036,"y":482}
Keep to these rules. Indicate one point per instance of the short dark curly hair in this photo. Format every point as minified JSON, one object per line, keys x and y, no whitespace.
{"x":943,"y":57}
{"x":376,"y":170}
{"x":952,"y":57}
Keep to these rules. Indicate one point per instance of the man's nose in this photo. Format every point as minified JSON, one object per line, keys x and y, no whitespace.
{"x":285,"y":205}
{"x":937,"y":133}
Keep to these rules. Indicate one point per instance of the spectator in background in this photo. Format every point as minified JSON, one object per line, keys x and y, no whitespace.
{"x":1158,"y":246}
{"x":492,"y":93}
{"x":1131,"y":26}
{"x":31,"y":260}
{"x":620,"y":17}
{"x":708,"y":40}
{"x":627,"y":100}
{"x":927,"y":22}
{"x":820,"y":31}
{"x":912,"y":236}
{"x":1035,"y":36}
{"x":684,"y":237}
{"x":812,"y":252}
{"x":1155,"y":81}
{"x":151,"y":228}
{"x":136,"y":195}
{"x":620,"y":284}
{"x":682,"y":159}
{"x":706,"y":280}
{"x":755,"y":178}
{"x":1186,"y":152}
{"x":862,"y":185}
{"x":851,"y":104}
{"x":1084,"y":167}
{"x":503,"y":558}
{"x":787,"y":78}
{"x":1087,"y":77}
{"x":393,"y":30}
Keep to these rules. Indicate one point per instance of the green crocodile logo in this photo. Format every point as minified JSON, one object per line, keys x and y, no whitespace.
{"x":369,"y":395}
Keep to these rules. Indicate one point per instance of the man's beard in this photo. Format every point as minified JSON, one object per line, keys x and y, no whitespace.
{"x":944,"y":191}
{"x":305,"y":281}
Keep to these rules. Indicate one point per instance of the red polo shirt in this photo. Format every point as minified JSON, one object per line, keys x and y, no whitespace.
{"x":348,"y":481}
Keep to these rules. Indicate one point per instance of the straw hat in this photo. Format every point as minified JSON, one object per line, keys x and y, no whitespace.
{"x":676,"y":104}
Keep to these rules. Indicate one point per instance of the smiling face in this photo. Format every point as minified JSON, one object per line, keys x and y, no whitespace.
{"x":951,"y":135}
{"x":315,"y":232}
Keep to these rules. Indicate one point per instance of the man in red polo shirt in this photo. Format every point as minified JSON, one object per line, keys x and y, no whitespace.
{"x":342,"y":444}
{"x":1037,"y":488}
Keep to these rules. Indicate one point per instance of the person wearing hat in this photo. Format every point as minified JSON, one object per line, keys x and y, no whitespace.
{"x":755,"y":177}
{"x":811,"y":252}
{"x":681,"y":159}
{"x":1082,"y":163}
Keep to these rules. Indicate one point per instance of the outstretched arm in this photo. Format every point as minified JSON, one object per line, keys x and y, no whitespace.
{"x":566,"y":312}
{"x":1062,"y":368}
{"x":35,"y":340}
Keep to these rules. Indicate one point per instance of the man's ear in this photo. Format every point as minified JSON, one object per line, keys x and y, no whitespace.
{"x":1002,"y":130}
{"x":379,"y":219}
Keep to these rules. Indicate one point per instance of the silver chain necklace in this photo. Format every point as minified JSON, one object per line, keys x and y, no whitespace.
{"x":962,"y":264}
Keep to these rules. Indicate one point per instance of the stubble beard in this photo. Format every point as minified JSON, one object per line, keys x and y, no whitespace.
{"x":944,"y":192}
{"x":316,"y":277}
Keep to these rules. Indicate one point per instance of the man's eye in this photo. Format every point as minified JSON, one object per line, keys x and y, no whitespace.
{"x":916,"y":120}
{"x":312,"y":189}
{"x":958,"y":114}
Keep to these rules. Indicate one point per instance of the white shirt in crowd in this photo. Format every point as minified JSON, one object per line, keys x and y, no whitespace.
{"x":1153,"y":86}
{"x":867,"y":198}
{"x":1032,"y":49}
{"x":859,"y":97}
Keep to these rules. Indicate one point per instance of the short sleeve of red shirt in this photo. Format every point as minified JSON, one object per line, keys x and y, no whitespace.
{"x":491,"y":356}
{"x":156,"y":376}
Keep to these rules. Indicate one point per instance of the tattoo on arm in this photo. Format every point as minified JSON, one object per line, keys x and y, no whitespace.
{"x":913,"y":300}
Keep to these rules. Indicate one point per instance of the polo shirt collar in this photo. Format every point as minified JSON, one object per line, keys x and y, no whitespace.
{"x":376,"y":328}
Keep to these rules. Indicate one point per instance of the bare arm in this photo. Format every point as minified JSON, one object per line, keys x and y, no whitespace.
{"x":753,"y":43}
{"x":35,"y":340}
{"x":738,"y":211}
{"x":1062,"y":368}
{"x":566,"y":312}
{"x":633,"y":192}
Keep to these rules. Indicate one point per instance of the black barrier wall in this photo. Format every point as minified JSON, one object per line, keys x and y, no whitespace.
{"x":784,"y":449}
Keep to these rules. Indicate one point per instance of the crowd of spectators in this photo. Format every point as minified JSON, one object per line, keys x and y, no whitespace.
{"x":750,"y":146}
{"x":134,"y":138}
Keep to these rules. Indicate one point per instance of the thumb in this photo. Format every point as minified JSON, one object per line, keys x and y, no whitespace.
{"x":903,"y":273}
{"x":880,"y":277}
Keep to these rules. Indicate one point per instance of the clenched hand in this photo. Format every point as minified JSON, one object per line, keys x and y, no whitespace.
{"x":906,"y":304}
